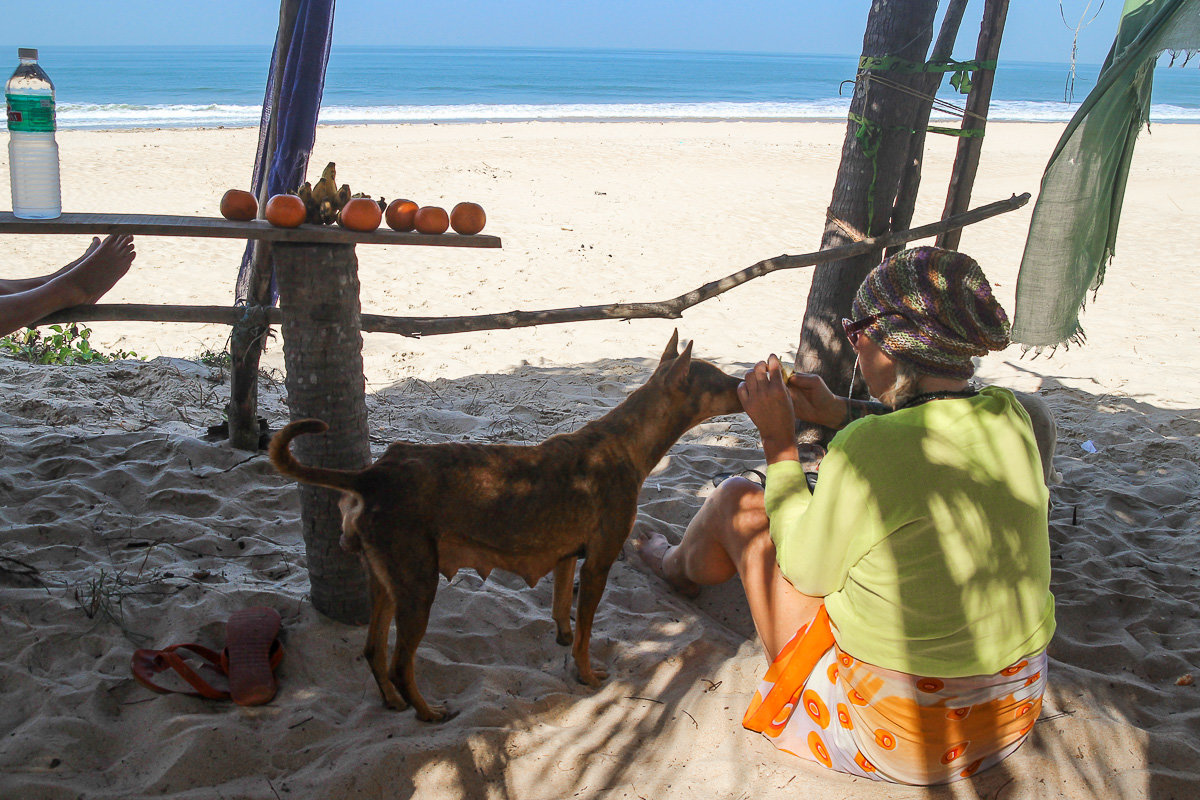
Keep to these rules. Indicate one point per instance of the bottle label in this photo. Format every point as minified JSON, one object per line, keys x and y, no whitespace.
{"x":30,"y":113}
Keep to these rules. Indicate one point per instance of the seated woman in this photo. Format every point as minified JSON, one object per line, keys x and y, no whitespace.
{"x":904,"y":604}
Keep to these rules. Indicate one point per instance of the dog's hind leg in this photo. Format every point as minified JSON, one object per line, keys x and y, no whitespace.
{"x":375,"y":652}
{"x":560,"y":609}
{"x":416,"y":592}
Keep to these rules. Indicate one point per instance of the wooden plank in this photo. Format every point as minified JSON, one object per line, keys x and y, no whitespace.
{"x":217,"y":228}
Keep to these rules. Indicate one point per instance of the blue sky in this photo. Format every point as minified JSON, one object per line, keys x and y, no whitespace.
{"x":1035,"y":29}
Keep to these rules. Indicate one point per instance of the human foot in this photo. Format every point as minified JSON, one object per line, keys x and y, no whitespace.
{"x":91,"y":248}
{"x":653,"y":548}
{"x":99,"y":269}
{"x":14,"y":285}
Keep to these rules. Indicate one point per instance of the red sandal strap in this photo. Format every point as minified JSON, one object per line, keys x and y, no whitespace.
{"x":148,"y":663}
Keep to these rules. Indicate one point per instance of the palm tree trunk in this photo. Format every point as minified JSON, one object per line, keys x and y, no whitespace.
{"x":874,"y":154}
{"x":322,"y":349}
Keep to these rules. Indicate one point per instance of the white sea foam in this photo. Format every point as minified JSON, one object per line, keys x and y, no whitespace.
{"x":95,"y":116}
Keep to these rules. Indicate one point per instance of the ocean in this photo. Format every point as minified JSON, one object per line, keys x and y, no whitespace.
{"x":124,"y":87}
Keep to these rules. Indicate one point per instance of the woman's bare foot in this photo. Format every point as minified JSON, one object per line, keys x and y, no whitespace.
{"x":15,"y":285}
{"x":91,"y":248}
{"x":99,"y":269}
{"x":653,"y":549}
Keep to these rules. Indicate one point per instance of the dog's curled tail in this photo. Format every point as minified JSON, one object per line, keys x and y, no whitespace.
{"x":281,"y":456}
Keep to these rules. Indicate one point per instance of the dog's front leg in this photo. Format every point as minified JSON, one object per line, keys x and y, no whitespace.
{"x":592,"y":579}
{"x":560,"y":609}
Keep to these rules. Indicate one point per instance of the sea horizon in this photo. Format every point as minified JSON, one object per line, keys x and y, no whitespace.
{"x":104,"y":87}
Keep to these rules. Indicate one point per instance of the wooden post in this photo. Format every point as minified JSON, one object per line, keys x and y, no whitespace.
{"x":966,"y":161}
{"x":246,"y":341}
{"x":910,"y":183}
{"x":245,"y":350}
{"x":322,"y":351}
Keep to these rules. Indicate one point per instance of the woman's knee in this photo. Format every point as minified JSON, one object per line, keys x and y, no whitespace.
{"x":740,"y":502}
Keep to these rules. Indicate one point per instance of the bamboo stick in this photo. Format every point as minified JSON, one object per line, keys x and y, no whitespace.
{"x":910,"y":182}
{"x":966,"y":160}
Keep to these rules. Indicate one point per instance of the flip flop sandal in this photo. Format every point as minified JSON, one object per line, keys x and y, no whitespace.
{"x":248,"y":658}
{"x":248,"y":662}
{"x":149,"y":663}
{"x":721,"y":477}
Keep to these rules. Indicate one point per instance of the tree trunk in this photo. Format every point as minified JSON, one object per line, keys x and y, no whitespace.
{"x":322,"y":350}
{"x":874,"y":154}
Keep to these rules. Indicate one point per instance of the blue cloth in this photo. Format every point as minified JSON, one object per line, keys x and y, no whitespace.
{"x":297,"y":78}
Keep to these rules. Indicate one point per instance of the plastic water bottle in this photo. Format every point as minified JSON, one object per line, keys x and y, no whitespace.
{"x":32,"y":152}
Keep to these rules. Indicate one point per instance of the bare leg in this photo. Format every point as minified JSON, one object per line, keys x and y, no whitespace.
{"x":84,"y":283}
{"x":25,"y":284}
{"x":730,"y":536}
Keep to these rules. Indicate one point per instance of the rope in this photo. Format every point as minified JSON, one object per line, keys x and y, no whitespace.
{"x":962,"y":133}
{"x":960,"y":79}
{"x":854,"y":233}
{"x":1069,"y":90}
{"x":943,"y":106}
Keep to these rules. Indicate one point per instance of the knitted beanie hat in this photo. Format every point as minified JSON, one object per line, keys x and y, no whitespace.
{"x":934,"y":309}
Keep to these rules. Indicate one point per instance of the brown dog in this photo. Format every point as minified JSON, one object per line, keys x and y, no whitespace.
{"x":422,"y":509}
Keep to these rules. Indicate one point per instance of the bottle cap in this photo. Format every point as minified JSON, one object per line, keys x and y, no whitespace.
{"x":27,"y":52}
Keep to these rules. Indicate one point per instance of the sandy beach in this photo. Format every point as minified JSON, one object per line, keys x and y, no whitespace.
{"x":121,"y":527}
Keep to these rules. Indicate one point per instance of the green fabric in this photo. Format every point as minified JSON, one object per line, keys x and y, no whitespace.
{"x":927,"y":536}
{"x":1073,"y":232}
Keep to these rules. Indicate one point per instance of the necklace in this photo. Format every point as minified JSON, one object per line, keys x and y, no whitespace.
{"x":946,"y":395}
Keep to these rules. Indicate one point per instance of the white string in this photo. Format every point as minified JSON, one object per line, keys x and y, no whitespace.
{"x":1069,"y":90}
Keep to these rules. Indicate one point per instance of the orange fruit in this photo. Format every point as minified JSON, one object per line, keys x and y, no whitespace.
{"x":468,"y":218}
{"x":285,"y":211}
{"x":399,"y":215}
{"x":360,"y":214}
{"x":431,"y":219}
{"x":239,"y":205}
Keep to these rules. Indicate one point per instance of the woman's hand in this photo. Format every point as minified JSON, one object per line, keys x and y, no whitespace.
{"x":770,"y":408}
{"x":812,"y":401}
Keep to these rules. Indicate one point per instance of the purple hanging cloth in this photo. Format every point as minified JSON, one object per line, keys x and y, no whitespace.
{"x":293,"y":100}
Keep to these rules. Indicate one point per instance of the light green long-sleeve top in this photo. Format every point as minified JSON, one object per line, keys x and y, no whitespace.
{"x":927,"y":536}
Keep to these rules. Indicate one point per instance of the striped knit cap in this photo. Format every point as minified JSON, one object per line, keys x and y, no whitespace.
{"x":938,"y":311}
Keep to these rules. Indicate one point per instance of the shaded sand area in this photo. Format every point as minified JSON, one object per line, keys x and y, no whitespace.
{"x":123,"y":528}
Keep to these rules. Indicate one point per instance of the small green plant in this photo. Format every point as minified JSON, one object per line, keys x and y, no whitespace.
{"x":217,"y":359}
{"x":65,"y":344}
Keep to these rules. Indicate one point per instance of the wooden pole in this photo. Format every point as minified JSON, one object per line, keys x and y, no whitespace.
{"x":434,"y":326}
{"x":247,"y":339}
{"x":322,"y":351}
{"x":910,"y":182}
{"x":966,"y":161}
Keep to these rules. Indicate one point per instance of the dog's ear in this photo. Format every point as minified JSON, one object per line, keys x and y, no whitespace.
{"x":677,"y":372}
{"x":672,"y":350}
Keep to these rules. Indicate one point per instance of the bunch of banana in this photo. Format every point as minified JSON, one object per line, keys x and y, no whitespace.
{"x":324,"y":200}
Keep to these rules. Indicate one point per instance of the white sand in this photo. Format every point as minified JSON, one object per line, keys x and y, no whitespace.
{"x":122,"y":528}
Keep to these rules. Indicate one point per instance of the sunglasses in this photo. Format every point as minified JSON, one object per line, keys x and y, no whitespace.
{"x":854,"y":328}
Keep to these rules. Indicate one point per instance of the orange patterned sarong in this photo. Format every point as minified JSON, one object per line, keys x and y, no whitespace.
{"x":822,"y":704}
